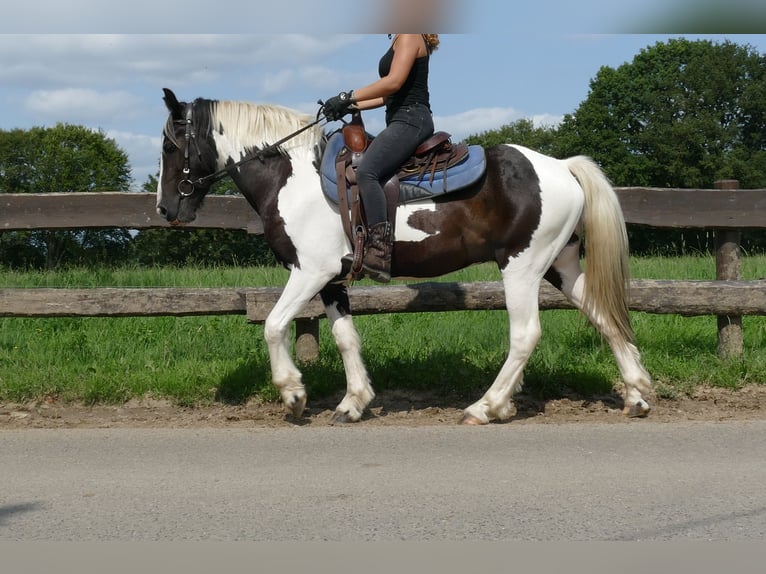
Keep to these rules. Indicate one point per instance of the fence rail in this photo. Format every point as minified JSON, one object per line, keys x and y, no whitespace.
{"x":689,"y":298}
{"x":28,"y":211}
{"x":655,"y":207}
{"x":725,"y":209}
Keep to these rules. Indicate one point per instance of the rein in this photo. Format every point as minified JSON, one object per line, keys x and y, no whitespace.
{"x":187,"y":186}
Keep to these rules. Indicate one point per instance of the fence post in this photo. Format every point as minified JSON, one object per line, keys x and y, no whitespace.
{"x":728,"y":268}
{"x":307,"y":340}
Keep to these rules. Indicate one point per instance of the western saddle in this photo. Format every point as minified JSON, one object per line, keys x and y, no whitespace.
{"x":434,"y":155}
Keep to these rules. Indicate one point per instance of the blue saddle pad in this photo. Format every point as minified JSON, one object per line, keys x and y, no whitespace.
{"x":458,"y":177}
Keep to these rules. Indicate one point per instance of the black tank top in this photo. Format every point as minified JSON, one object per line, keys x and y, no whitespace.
{"x":415,"y":88}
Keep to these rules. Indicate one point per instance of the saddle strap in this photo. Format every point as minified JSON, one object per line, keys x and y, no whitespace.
{"x":340,"y":171}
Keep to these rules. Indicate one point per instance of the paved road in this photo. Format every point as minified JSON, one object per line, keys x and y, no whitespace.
{"x":636,"y":481}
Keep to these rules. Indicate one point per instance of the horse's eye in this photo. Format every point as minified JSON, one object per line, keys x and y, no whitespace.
{"x":168,"y":146}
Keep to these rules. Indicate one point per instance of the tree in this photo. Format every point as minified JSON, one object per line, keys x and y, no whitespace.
{"x":65,"y":158}
{"x":522,"y":132}
{"x":681,"y":114}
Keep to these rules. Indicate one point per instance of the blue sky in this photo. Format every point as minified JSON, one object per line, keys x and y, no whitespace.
{"x":531,"y":60}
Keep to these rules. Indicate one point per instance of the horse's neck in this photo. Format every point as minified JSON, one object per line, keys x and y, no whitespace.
{"x":260,"y":181}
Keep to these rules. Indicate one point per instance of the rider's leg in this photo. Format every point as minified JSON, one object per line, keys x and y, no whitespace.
{"x":407,"y":129}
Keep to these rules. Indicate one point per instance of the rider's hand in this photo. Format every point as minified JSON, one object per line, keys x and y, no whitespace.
{"x":338,"y":106}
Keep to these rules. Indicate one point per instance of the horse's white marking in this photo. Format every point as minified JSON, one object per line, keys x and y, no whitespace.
{"x":359,"y":392}
{"x":405,"y":232}
{"x":311,"y":222}
{"x":562,"y":201}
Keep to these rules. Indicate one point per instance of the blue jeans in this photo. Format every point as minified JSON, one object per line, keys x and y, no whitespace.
{"x":407,"y":128}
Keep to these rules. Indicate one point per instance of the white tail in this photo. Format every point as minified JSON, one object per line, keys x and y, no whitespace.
{"x":607,"y":268}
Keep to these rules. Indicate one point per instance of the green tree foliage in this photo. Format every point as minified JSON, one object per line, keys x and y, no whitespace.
{"x":521,"y":132}
{"x":65,"y":158}
{"x":681,"y":114}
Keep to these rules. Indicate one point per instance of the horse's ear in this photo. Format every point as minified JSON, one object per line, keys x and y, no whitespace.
{"x":174,"y":106}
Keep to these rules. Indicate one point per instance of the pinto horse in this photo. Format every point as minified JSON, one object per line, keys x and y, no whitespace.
{"x":527,"y":214}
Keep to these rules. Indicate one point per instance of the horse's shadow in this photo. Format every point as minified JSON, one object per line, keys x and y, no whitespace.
{"x":441,"y":380}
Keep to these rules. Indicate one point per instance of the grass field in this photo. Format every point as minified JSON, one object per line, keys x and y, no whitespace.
{"x":202,"y":359}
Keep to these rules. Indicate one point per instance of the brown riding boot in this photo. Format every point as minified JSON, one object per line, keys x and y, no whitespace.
{"x":377,"y":252}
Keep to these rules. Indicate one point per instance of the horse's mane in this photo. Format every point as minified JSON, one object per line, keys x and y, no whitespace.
{"x":259,"y":124}
{"x":249,"y":124}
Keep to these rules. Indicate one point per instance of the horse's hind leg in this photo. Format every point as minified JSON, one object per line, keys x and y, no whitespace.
{"x":359,"y":392}
{"x":521,"y":295}
{"x":567,"y":275}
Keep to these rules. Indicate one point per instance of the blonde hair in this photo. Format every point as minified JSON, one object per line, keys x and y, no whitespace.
{"x":433,"y":41}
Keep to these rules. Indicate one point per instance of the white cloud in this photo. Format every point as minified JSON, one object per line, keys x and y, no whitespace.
{"x":107,"y":60}
{"x":480,"y":120}
{"x":75,"y":105}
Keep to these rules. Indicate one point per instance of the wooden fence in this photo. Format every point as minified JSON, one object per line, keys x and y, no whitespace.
{"x":725,"y":209}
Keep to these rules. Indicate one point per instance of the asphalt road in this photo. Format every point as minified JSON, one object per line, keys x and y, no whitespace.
{"x":637,"y":481}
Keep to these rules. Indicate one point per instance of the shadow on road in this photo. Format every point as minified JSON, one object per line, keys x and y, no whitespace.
{"x":11,"y":510}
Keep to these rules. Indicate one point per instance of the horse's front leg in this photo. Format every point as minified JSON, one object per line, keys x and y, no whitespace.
{"x":359,"y":391}
{"x":298,"y":291}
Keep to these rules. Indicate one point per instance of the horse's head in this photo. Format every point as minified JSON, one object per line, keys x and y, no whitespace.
{"x":188,"y":154}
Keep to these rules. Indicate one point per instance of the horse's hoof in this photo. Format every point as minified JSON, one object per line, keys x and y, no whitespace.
{"x":341,"y":418}
{"x":639,"y":410}
{"x":296,"y":406}
{"x":470,"y":420}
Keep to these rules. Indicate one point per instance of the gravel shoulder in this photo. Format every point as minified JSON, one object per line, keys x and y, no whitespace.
{"x":398,"y":408}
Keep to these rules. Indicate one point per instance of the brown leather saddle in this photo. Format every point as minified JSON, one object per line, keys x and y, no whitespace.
{"x":435,"y":155}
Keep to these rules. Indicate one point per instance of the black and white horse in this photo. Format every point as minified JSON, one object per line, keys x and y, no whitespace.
{"x":527,"y":214}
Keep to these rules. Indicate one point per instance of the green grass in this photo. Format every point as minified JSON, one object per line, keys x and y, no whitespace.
{"x":455,"y":355}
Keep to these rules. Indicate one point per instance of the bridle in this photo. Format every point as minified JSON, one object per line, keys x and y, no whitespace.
{"x":189,"y":136}
{"x":187,"y":186}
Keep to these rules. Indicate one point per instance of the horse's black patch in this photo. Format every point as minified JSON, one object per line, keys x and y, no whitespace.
{"x":335,"y":294}
{"x":517,"y":176}
{"x":260,"y":183}
{"x":554,"y":278}
{"x":491,"y":221}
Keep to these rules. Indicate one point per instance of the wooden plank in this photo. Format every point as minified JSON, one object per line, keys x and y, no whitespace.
{"x":660,"y":297}
{"x":119,"y":302}
{"x":651,"y":296}
{"x":695,"y":298}
{"x":694,"y":208}
{"x":24,"y":211}
{"x":656,"y":207}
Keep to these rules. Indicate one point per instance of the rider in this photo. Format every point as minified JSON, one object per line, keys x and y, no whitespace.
{"x":403,"y":89}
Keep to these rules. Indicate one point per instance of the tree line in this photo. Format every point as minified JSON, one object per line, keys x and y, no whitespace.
{"x":681,"y":114}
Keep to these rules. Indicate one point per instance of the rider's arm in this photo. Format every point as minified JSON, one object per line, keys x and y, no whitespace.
{"x":407,"y":48}
{"x":370,"y":104}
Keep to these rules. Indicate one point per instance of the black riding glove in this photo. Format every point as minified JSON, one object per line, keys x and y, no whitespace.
{"x":338,"y":106}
